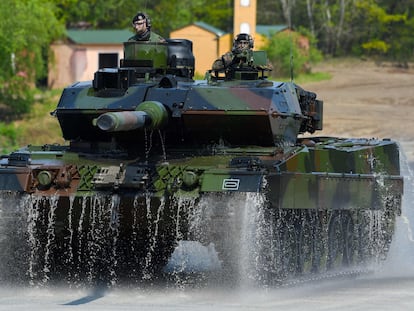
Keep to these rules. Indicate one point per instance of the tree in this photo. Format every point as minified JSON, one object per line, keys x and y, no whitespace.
{"x":100,"y":14}
{"x":269,"y":12}
{"x":173,"y":14}
{"x":288,"y":55}
{"x":287,"y":6}
{"x":26,"y":30}
{"x":380,"y":35}
{"x":166,"y":15}
{"x":309,"y":10}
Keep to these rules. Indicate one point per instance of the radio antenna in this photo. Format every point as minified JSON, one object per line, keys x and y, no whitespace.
{"x":291,"y":40}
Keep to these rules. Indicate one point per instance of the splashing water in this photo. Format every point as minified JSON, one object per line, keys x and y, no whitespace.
{"x":189,"y":256}
{"x":401,"y":257}
{"x":50,"y":237}
{"x":32,"y":217}
{"x":231,"y":227}
{"x":153,"y":226}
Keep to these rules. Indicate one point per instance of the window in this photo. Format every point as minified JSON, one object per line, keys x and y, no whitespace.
{"x":244,"y":2}
{"x":108,"y":60}
{"x":244,"y":28}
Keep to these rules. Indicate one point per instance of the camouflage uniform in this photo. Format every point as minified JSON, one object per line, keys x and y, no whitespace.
{"x":241,"y":54}
{"x":151,"y":37}
{"x":223,"y":62}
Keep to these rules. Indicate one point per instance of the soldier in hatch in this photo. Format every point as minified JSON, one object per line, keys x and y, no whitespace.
{"x":241,"y":53}
{"x":241,"y":56}
{"x":142,"y":25}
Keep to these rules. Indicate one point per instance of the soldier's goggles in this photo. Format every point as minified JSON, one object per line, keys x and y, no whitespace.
{"x":138,"y":23}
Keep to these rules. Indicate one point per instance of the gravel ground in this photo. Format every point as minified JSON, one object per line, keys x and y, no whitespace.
{"x":364,"y":99}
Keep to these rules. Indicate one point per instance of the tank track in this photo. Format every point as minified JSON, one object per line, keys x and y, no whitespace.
{"x":257,"y":244}
{"x":268,"y":246}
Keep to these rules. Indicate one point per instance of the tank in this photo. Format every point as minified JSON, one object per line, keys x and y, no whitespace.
{"x":165,"y":175}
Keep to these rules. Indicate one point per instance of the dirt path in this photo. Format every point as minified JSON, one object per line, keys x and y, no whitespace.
{"x":366,"y":100}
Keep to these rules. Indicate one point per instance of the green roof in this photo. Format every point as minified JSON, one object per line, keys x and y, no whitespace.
{"x":267,"y":30}
{"x":99,"y":36}
{"x":118,"y":36}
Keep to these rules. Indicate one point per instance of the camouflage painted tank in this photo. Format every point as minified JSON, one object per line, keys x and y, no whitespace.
{"x":158,"y":163}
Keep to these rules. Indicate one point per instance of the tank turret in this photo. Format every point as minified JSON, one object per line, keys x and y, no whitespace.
{"x":157,"y":162}
{"x":238,"y":111}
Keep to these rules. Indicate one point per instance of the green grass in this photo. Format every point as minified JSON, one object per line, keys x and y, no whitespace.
{"x":35,"y":128}
{"x":312,"y":77}
{"x":305,"y":77}
{"x":39,"y":127}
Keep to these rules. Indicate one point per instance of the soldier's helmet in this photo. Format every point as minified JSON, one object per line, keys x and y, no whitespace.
{"x":140,"y":16}
{"x":243,"y":41}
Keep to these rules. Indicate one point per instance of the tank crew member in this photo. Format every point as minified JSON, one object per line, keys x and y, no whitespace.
{"x":240,"y":54}
{"x":142,"y":25}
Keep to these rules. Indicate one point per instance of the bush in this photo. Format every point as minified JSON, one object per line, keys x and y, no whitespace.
{"x":8,"y":137}
{"x":287,"y":52}
{"x":16,"y":97}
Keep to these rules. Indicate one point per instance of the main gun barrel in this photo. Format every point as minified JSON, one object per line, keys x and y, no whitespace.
{"x":148,"y":114}
{"x":122,"y":121}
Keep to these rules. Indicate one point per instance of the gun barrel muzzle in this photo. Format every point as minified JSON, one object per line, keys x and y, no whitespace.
{"x":149,"y":114}
{"x":122,"y":121}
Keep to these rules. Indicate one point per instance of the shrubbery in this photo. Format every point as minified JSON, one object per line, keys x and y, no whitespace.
{"x":16,"y":97}
{"x":26,"y":30}
{"x":291,"y":52}
{"x":8,"y":137}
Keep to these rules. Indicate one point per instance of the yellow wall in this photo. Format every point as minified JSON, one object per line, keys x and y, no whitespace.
{"x":260,"y":41}
{"x":244,"y":15}
{"x":206,"y":45}
{"x":225,"y":44}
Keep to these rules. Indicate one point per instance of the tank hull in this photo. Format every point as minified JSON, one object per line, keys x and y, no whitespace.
{"x":267,"y":213}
